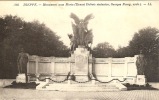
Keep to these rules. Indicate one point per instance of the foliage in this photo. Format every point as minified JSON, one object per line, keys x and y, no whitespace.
{"x":34,"y":37}
{"x":37,"y":39}
{"x":103,"y":50}
{"x":144,"y":40}
{"x":123,"y":52}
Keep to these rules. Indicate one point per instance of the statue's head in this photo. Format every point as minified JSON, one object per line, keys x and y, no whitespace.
{"x":82,"y":24}
{"x":81,"y":21}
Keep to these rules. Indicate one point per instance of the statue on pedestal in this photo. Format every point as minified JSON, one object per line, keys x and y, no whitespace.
{"x":72,"y":43}
{"x":140,"y":63}
{"x":81,"y":35}
{"x":22,"y":62}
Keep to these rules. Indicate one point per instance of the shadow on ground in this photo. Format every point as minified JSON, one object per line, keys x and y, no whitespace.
{"x":138,"y":87}
{"x":22,"y":85}
{"x":33,"y":85}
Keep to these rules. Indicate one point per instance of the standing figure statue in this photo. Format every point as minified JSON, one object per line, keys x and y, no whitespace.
{"x":140,"y":63}
{"x":81,"y":35}
{"x":22,"y":62}
{"x":72,"y":43}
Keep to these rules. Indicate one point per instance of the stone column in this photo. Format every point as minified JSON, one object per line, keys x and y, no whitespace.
{"x":110,"y":68}
{"x":126,"y":66}
{"x":36,"y":64}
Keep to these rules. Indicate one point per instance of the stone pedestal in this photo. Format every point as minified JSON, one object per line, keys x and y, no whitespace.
{"x":141,"y":80}
{"x":21,"y":78}
{"x":81,"y":68}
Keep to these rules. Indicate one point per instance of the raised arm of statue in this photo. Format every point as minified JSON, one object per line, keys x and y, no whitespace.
{"x":87,"y":18}
{"x":76,"y":19}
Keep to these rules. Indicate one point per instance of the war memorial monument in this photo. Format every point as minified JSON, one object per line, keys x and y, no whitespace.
{"x":81,"y":71}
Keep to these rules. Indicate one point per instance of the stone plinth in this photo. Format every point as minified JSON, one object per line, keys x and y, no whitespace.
{"x":21,"y":78}
{"x":81,"y":68}
{"x":81,"y":61}
{"x":141,"y":80}
{"x":82,"y":87}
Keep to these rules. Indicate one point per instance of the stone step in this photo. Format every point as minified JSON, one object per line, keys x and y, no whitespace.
{"x":89,"y":86}
{"x":75,"y":89}
{"x":81,"y":87}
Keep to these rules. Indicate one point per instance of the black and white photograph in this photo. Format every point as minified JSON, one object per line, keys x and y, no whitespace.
{"x":79,"y":50}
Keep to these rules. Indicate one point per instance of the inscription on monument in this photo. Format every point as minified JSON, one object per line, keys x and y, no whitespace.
{"x":81,"y":64}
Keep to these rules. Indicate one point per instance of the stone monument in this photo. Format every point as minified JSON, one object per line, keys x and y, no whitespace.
{"x":80,"y":71}
{"x":80,"y":40}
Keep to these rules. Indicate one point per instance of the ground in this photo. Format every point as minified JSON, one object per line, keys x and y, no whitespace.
{"x":32,"y":94}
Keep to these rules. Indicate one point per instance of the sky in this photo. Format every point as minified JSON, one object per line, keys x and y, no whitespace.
{"x":114,"y":24}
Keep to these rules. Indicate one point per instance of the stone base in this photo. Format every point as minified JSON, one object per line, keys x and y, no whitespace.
{"x":81,"y":87}
{"x":21,"y":78}
{"x":130,"y":80}
{"x":141,"y":80}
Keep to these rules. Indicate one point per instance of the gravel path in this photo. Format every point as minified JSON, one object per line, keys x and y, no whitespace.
{"x":31,"y":94}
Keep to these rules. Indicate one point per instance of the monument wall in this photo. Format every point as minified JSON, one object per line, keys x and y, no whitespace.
{"x":115,"y":68}
{"x":103,"y":68}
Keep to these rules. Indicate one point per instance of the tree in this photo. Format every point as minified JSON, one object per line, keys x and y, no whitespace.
{"x":123,"y":52}
{"x":9,"y":26}
{"x":34,"y":37}
{"x":40,"y":40}
{"x":144,"y":40}
{"x":103,"y":50}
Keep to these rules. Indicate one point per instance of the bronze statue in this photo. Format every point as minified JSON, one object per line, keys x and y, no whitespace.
{"x":72,"y":43}
{"x":140,"y":63}
{"x":81,"y":35}
{"x":22,"y":62}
